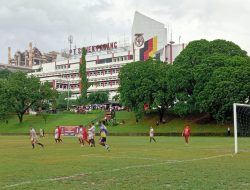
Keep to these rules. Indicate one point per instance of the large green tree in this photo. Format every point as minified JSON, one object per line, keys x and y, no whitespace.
{"x":228,"y":84}
{"x":195,"y":66}
{"x":145,"y":82}
{"x":23,"y":92}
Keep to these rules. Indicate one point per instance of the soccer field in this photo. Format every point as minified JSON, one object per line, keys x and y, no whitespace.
{"x":132,"y":163}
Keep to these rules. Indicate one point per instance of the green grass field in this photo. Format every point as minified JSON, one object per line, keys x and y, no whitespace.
{"x":53,"y":120}
{"x":132,"y":163}
{"x":130,"y":126}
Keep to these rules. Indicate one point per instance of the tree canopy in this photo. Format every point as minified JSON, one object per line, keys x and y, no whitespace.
{"x":145,"y":82}
{"x":20,"y":92}
{"x":196,"y":67}
{"x":4,"y":73}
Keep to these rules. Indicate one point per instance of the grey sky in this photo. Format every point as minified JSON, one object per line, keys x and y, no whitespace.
{"x":47,"y":23}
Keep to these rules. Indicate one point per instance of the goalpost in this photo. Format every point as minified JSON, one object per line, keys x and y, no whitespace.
{"x":241,"y":122}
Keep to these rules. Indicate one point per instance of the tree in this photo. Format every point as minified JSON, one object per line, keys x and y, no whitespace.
{"x":61,"y":100}
{"x":24,"y":91}
{"x":44,"y":115}
{"x":4,"y":108}
{"x":84,"y":81}
{"x":98,"y":97}
{"x":163,"y":98}
{"x":145,"y":82}
{"x":4,"y":73}
{"x":194,"y":67}
{"x":116,"y":97}
{"x":227,"y":85}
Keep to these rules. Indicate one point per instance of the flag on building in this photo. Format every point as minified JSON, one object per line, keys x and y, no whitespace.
{"x":149,"y":49}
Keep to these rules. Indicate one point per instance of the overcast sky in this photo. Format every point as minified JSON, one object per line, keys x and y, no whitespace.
{"x":48,"y":23}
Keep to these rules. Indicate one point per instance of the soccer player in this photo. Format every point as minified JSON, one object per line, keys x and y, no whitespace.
{"x":84,"y":135}
{"x":33,"y":138}
{"x":186,"y":133}
{"x":80,"y":134}
{"x":151,"y":134}
{"x":56,"y":135}
{"x":59,"y":134}
{"x":92,"y":135}
{"x":41,"y":132}
{"x":103,"y":136}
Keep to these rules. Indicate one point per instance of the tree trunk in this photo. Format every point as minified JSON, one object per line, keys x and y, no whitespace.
{"x":161,"y":113}
{"x":20,"y":116}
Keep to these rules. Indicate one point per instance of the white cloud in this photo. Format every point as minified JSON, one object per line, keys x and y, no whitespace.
{"x":48,"y":23}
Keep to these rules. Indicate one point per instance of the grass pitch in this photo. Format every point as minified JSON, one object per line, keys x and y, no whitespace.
{"x":132,"y":163}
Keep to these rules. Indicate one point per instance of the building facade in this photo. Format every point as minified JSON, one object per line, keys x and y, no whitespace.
{"x":103,"y":62}
{"x":102,"y":71}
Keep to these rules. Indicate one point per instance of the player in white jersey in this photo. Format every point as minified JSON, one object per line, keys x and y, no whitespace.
{"x":92,"y":135}
{"x":80,"y":136}
{"x":151,"y":134}
{"x":33,"y":138}
{"x":56,"y":135}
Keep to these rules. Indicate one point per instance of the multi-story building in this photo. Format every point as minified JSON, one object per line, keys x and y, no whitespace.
{"x":102,"y":69}
{"x":103,"y":62}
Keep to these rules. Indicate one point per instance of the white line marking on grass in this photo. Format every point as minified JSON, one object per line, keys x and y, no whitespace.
{"x":117,"y":169}
{"x":244,"y":150}
{"x":17,"y":184}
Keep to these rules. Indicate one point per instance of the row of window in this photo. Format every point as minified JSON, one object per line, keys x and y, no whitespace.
{"x":92,"y":73}
{"x":106,"y":83}
{"x":96,"y":73}
{"x":103,"y":83}
{"x":115,"y":59}
{"x":101,"y":61}
{"x":63,"y":66}
{"x":70,"y":76}
{"x":63,"y":86}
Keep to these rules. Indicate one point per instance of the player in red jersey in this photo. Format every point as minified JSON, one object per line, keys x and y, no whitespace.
{"x":59,"y":134}
{"x":186,"y":133}
{"x":85,"y":135}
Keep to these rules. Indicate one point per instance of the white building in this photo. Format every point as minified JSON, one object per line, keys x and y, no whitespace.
{"x":103,"y":62}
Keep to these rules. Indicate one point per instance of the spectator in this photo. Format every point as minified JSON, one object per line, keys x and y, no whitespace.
{"x":157,"y":123}
{"x":228,"y":131}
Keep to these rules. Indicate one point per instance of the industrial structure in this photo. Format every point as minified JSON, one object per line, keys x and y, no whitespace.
{"x":30,"y":57}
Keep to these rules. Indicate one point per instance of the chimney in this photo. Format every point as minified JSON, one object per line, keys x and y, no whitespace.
{"x":30,"y":54}
{"x":9,"y":55}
